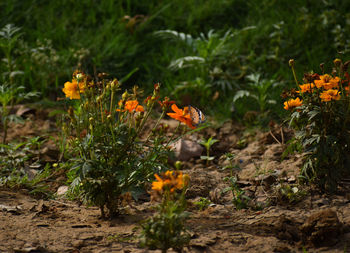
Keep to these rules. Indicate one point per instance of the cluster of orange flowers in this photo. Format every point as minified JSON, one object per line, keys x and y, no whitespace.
{"x":326,"y":85}
{"x":170,"y":180}
{"x":78,"y":85}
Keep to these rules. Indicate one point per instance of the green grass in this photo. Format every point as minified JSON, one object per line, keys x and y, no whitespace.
{"x":96,"y":36}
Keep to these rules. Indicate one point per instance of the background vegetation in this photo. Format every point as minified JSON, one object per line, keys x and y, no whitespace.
{"x":203,"y":52}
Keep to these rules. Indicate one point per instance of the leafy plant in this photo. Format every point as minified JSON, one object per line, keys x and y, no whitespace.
{"x":291,"y":194}
{"x":230,"y":158}
{"x":210,"y":64}
{"x":239,"y":199}
{"x":15,"y":159}
{"x":10,"y":92}
{"x":166,"y":229}
{"x":207,"y":144}
{"x":320,"y":114}
{"x":260,"y":91}
{"x":203,"y":203}
{"x":113,"y":153}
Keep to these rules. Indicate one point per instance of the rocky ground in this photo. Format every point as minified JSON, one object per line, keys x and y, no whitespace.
{"x":281,"y":216}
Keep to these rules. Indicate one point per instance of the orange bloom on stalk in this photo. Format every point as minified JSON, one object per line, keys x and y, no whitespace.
{"x":181,"y":115}
{"x":292,"y":103}
{"x":131,"y":105}
{"x":73,"y":90}
{"x":308,"y":87}
{"x":170,"y":180}
{"x":327,"y":82}
{"x":329,"y":95}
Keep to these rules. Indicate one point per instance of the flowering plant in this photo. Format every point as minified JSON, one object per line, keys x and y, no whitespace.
{"x":320,"y":114}
{"x":114,"y":155}
{"x":166,"y":229}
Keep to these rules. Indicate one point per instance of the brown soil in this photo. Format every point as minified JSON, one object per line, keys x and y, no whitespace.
{"x":312,"y":221}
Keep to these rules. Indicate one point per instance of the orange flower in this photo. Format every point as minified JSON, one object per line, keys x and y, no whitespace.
{"x":329,"y":95}
{"x":170,"y":180}
{"x":181,"y":115}
{"x":131,"y":105}
{"x":308,"y":87}
{"x":327,"y":82}
{"x":73,"y":90}
{"x":292,"y":103}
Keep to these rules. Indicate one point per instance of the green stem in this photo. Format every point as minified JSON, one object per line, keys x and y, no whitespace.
{"x":295,"y":77}
{"x":156,"y":125}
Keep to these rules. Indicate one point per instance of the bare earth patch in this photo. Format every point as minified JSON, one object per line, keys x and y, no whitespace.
{"x":317,"y":223}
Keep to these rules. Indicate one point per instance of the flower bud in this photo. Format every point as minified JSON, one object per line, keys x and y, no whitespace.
{"x":291,"y":63}
{"x":99,"y":99}
{"x":86,"y":105}
{"x":79,"y":77}
{"x":186,"y":179}
{"x":337,"y":62}
{"x":125,"y":95}
{"x":178,"y":165}
{"x":322,"y":67}
{"x":114,"y":84}
{"x":71,"y":111}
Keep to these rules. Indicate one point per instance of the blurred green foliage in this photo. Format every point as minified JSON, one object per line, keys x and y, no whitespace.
{"x":234,"y":38}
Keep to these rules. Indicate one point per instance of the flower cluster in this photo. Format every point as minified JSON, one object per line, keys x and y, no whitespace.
{"x":326,"y":87}
{"x":321,"y":118}
{"x":79,"y":85}
{"x":170,"y":180}
{"x":107,"y":129}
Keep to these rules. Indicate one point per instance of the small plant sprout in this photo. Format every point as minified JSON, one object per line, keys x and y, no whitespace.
{"x":203,"y":203}
{"x":239,"y":199}
{"x":207,"y":144}
{"x":230,"y":158}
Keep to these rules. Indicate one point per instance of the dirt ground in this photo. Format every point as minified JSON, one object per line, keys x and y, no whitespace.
{"x":312,"y":222}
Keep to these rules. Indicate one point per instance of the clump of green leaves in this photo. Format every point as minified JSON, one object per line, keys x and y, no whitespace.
{"x":259,"y":92}
{"x":16,"y":162}
{"x":232,"y":165}
{"x":239,"y":199}
{"x":202,"y":203}
{"x":320,"y":115}
{"x":290,"y":193}
{"x":210,"y":63}
{"x":166,"y":229}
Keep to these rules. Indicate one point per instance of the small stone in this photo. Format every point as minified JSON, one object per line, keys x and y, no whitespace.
{"x":62,"y":190}
{"x":186,"y":149}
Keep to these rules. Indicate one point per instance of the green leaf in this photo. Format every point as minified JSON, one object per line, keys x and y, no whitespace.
{"x":240,"y":94}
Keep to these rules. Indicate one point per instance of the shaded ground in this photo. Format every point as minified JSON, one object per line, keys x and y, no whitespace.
{"x":275,"y":221}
